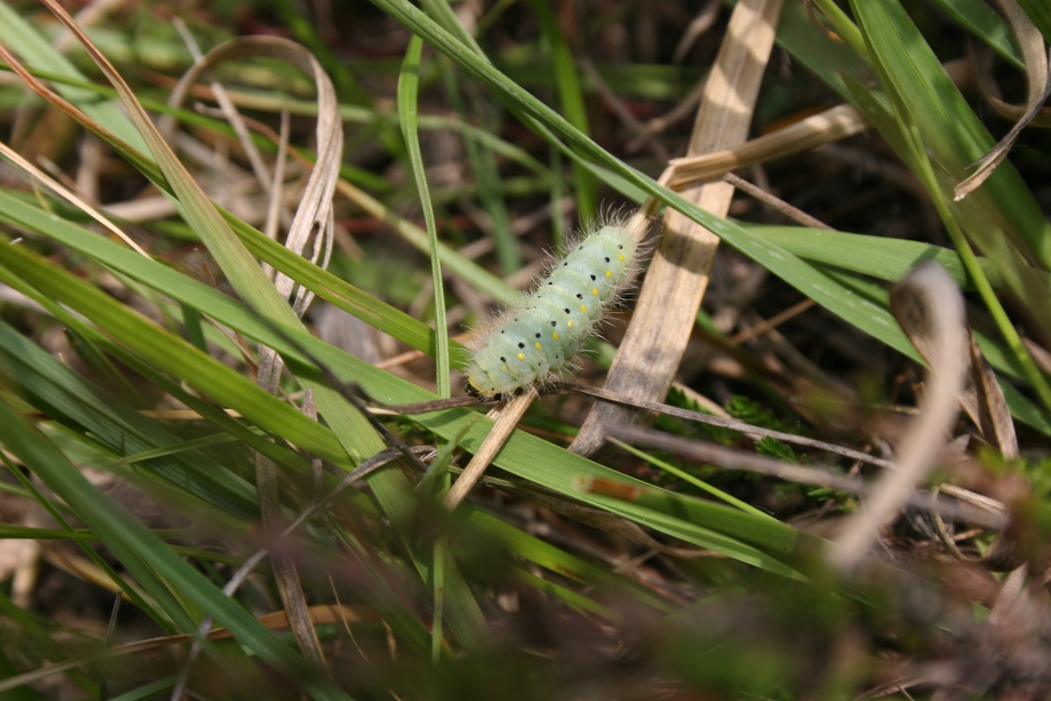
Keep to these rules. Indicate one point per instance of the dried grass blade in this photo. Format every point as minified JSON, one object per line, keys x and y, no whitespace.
{"x":233,"y":258}
{"x":1039,"y":86}
{"x":16,"y":159}
{"x":982,"y":70}
{"x":831,"y":125}
{"x":314,"y":214}
{"x":926,"y":298}
{"x":228,"y":110}
{"x":815,"y":475}
{"x":506,"y":421}
{"x":980,"y":396}
{"x":993,"y":416}
{"x":313,"y":220}
{"x":678,"y":276}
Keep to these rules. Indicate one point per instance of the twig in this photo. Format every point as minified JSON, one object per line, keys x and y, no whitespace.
{"x":506,"y":420}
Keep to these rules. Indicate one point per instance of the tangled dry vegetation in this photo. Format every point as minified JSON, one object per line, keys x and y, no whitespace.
{"x":805,"y":459}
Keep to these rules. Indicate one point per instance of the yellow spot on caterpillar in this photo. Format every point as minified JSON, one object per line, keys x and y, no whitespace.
{"x":622,"y":256}
{"x":539,"y":347}
{"x":521,"y":356}
{"x":570,"y":323}
{"x":594,"y":291}
{"x":503,"y":368}
{"x":609,"y":273}
{"x":584,"y":308}
{"x":555,"y":335}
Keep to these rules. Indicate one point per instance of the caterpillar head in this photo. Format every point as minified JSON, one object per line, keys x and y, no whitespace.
{"x":473,"y":390}
{"x":495,"y":379}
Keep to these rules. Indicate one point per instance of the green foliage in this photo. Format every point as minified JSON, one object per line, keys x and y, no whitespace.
{"x":750,"y":411}
{"x":586,"y":582}
{"x":774,"y":448}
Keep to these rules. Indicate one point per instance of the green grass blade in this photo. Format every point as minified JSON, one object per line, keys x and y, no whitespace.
{"x":940,"y":130}
{"x":355,"y":434}
{"x":797,"y":273}
{"x":559,"y":561}
{"x":65,"y":396}
{"x":408,"y":89}
{"x":173,"y":355}
{"x":524,"y":455}
{"x":980,"y":21}
{"x":878,"y":256}
{"x":206,"y":299}
{"x":444,"y":15}
{"x":405,"y":625}
{"x":571,"y":100}
{"x":38,"y":634}
{"x":144,"y":554}
{"x":952,"y":131}
{"x":569,"y":596}
{"x":120,"y":583}
{"x":479,"y":155}
{"x":18,"y":34}
{"x":690,"y":479}
{"x":486,"y":173}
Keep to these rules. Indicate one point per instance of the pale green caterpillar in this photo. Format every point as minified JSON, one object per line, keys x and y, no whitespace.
{"x":542,"y":333}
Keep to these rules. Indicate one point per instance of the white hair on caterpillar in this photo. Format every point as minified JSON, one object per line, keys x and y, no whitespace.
{"x":539,"y":336}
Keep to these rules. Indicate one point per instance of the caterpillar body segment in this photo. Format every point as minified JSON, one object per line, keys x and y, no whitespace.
{"x":541,"y":335}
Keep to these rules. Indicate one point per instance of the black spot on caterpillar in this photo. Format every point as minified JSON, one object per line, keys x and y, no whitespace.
{"x":551,"y":324}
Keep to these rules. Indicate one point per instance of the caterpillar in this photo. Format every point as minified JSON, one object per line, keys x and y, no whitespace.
{"x":548,"y":327}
